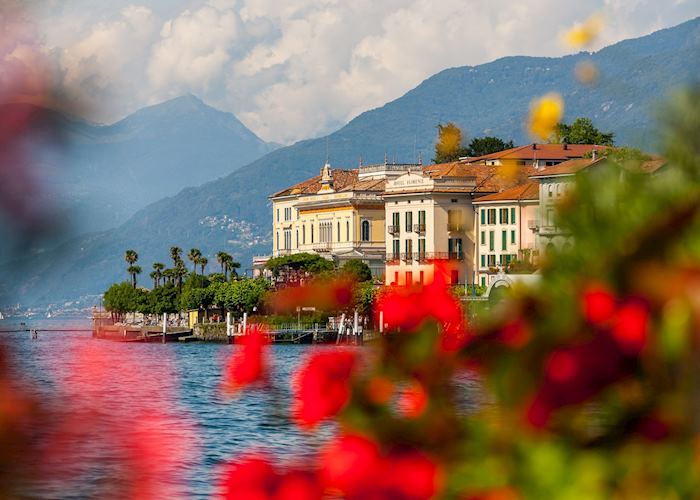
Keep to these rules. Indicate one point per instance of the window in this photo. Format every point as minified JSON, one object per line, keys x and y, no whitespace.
{"x":297,"y":238}
{"x":409,"y":221}
{"x":421,"y":248}
{"x":338,"y":235}
{"x":454,"y":248}
{"x":504,"y":240}
{"x":503,"y":216}
{"x":512,"y":215}
{"x":492,"y":216}
{"x":288,"y":239}
{"x":277,"y":237}
{"x":454,"y":275}
{"x":303,"y":234}
{"x":278,"y":215}
{"x":409,"y":278}
{"x":347,"y":230}
{"x":454,"y":220}
{"x":483,"y":281}
{"x":512,"y":237}
{"x":483,"y":260}
{"x":491,"y":260}
{"x":421,"y":217}
{"x":325,"y":232}
{"x":483,"y":216}
{"x":454,"y":200}
{"x":483,"y":237}
{"x":491,"y":241}
{"x":396,"y":247}
{"x":409,"y":249}
{"x":287,"y":213}
{"x":365,"y":226}
{"x":396,"y":219}
{"x":312,"y":233}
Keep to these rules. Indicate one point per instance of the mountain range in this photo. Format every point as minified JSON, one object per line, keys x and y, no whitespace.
{"x":233,"y":214}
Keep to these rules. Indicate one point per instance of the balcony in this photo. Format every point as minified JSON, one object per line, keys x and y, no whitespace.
{"x":394,"y":229}
{"x":393,"y":258}
{"x":407,"y":257}
{"x":532,"y":224}
{"x":419,"y":228}
{"x":425,"y":256}
{"x":420,"y":256}
{"x":455,"y":228}
{"x":322,"y":247}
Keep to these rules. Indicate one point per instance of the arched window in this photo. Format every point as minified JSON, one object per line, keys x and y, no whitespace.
{"x":365,"y":230}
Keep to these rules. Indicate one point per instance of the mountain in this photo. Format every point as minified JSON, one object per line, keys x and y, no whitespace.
{"x":233,"y":213}
{"x":102,"y":174}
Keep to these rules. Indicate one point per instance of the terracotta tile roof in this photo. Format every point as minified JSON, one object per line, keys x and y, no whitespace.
{"x":542,"y":152}
{"x":489,"y":178}
{"x":569,"y":167}
{"x":528,"y":191}
{"x":365,"y":185}
{"x":341,"y":179}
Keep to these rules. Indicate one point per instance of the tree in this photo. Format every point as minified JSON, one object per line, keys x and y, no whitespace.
{"x":164,"y":300}
{"x":203,"y":261}
{"x":233,"y":265}
{"x":582,"y":131}
{"x":122,"y":298}
{"x":299,"y":263}
{"x":223,"y":258}
{"x":175,"y":253}
{"x":133,"y":271}
{"x":194,"y":255}
{"x":157,"y":273}
{"x":356,"y":270}
{"x":179,"y":272}
{"x":449,"y":144}
{"x":480,"y":146}
{"x":242,"y":295}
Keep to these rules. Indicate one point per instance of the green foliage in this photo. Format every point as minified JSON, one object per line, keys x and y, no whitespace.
{"x":356,"y":270}
{"x":582,"y":131}
{"x":365,"y":296}
{"x":302,"y":262}
{"x":164,"y":299}
{"x":196,"y":293}
{"x":242,"y":295}
{"x":122,"y":298}
{"x":480,"y":146}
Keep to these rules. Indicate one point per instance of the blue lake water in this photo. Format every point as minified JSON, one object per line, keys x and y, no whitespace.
{"x":181,"y":380}
{"x":123,"y":385}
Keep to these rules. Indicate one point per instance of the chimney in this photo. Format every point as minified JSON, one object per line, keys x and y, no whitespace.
{"x":534,"y":145}
{"x":566,"y":145}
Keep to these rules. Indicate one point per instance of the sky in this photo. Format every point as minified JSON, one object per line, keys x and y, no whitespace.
{"x":291,"y":69}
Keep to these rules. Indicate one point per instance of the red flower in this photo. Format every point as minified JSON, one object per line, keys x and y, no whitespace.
{"x":254,"y":478}
{"x":248,"y":364}
{"x":653,"y":428}
{"x":322,"y":386}
{"x":598,"y":304}
{"x":515,"y":333}
{"x":350,"y":465}
{"x":414,"y":400}
{"x":410,"y":475}
{"x":630,"y":327}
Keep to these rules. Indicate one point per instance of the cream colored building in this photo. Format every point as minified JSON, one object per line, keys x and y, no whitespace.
{"x":505,"y":228}
{"x":338,"y":214}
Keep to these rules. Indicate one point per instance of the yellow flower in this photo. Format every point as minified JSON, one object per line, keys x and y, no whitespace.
{"x":584,"y":34}
{"x":545,"y":113}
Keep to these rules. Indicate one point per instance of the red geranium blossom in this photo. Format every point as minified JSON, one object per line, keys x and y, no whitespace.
{"x":630,"y":327}
{"x":598,"y":303}
{"x":248,"y":364}
{"x":322,"y":386}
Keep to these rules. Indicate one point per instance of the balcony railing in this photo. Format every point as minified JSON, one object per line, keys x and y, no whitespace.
{"x":425,"y":256}
{"x":394,"y":229}
{"x":393,"y":258}
{"x":420,"y":256}
{"x":455,"y":228}
{"x":322,"y":247}
{"x":418,"y":228}
{"x":532,"y":224}
{"x":407,"y":257}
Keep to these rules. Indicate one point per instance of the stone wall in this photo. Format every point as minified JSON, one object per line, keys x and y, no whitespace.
{"x":211,"y":332}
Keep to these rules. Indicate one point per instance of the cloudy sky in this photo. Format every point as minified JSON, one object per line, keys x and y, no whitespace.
{"x":292,"y":69}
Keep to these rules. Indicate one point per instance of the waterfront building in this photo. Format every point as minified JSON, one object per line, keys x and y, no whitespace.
{"x":430,"y":217}
{"x":506,"y":229}
{"x":338,"y":214}
{"x":538,"y":156}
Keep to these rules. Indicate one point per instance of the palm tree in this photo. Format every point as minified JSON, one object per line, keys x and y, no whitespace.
{"x":194,"y":255}
{"x":233,"y":265}
{"x":175,"y":254}
{"x":130,"y":256}
{"x":169,"y":275}
{"x":133,"y":271}
{"x":179,"y":272}
{"x":203,"y":261}
{"x":223,"y":258}
{"x":157,"y":273}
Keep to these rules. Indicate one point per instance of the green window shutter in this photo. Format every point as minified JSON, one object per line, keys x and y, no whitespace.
{"x":483,"y":281}
{"x":512,"y":237}
{"x":483,"y":216}
{"x":483,"y":260}
{"x":491,"y":242}
{"x":483,"y":237}
{"x":504,"y":240}
{"x":512,"y":215}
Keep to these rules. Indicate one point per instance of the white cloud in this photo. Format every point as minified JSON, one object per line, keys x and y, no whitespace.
{"x":291,"y":69}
